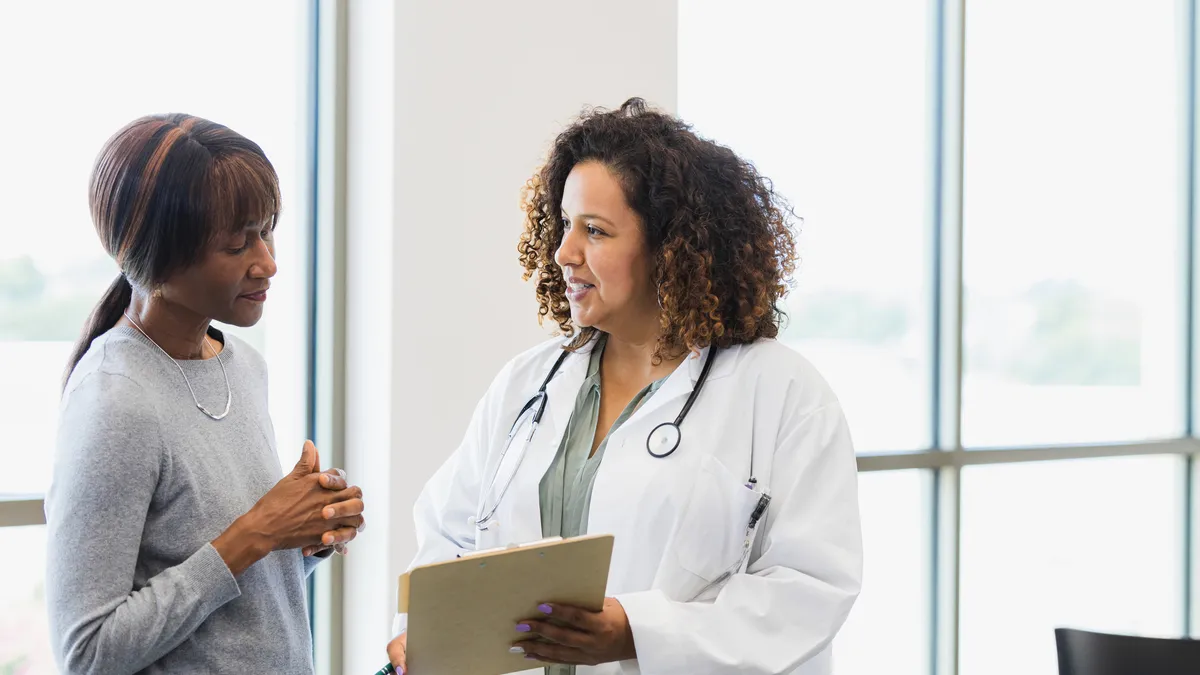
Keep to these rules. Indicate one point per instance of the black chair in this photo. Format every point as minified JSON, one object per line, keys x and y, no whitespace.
{"x":1083,"y":652}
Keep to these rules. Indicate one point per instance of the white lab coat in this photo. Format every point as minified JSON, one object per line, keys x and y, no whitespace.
{"x":679,"y":522}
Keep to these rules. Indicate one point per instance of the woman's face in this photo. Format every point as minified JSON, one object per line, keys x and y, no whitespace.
{"x":230,"y":283}
{"x":604,"y":256}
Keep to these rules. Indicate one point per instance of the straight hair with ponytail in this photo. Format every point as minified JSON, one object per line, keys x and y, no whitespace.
{"x":161,"y":189}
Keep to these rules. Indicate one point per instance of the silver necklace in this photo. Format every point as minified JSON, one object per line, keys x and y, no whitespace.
{"x":229,"y":397}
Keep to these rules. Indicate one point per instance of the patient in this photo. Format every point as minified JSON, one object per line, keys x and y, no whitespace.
{"x":174,"y":544}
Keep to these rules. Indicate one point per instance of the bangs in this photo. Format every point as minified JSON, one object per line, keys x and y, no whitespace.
{"x":242,"y":188}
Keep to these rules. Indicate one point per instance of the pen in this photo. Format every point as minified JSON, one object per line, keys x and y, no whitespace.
{"x":386,"y":670}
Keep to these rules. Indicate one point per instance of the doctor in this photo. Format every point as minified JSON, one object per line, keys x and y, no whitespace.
{"x":670,"y":417}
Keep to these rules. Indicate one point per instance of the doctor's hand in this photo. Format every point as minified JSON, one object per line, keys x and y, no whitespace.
{"x":396,"y":652}
{"x":578,"y":636}
{"x":337,"y":540}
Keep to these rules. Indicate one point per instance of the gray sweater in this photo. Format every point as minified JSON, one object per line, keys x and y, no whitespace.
{"x":142,"y":482}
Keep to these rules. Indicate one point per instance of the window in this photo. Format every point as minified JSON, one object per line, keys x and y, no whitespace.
{"x":888,"y":631}
{"x":24,"y":641}
{"x":1094,"y":544}
{"x":846,"y":146}
{"x":79,"y":80}
{"x":1074,"y":291}
{"x":998,"y":205}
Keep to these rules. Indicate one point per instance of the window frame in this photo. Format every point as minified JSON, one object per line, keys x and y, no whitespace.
{"x":947,"y":456}
{"x":322,"y":119}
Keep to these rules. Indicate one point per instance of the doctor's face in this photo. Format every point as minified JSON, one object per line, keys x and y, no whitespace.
{"x":604,"y":256}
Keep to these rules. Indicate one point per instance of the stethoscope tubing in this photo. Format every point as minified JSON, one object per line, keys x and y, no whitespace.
{"x":538,"y":404}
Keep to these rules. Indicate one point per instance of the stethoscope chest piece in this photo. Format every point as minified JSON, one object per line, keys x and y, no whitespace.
{"x":663,"y":440}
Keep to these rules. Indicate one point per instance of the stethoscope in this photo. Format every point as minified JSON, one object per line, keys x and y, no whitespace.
{"x":662,"y":441}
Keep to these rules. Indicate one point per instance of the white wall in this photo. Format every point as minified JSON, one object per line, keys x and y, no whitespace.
{"x":451,"y":106}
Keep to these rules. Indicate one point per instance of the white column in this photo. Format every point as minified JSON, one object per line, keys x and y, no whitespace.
{"x":451,"y":107}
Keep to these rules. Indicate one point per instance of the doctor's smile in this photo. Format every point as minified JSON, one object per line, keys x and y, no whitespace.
{"x":666,"y":415}
{"x":577,"y":289}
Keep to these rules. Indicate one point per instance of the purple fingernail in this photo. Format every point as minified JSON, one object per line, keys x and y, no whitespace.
{"x":522,"y":628}
{"x":544,"y":608}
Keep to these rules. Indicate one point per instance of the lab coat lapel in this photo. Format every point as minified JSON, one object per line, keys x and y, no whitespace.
{"x":680,"y":383}
{"x":561,"y":392}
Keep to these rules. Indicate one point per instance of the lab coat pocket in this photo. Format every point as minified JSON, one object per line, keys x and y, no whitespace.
{"x":712,"y":530}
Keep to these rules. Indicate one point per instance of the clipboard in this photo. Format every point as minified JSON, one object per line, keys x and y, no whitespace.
{"x":462,"y":613}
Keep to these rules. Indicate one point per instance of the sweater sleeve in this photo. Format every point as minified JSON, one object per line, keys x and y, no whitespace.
{"x":106,"y":469}
{"x":311,"y":561}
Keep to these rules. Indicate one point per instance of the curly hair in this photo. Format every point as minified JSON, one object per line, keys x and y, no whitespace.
{"x":720,"y":234}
